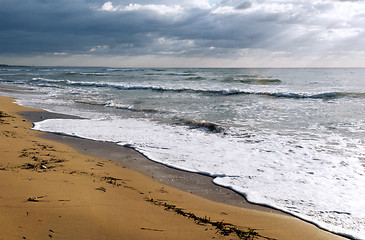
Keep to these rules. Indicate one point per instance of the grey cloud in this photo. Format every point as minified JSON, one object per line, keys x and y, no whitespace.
{"x":244,"y":5}
{"x":76,"y":26}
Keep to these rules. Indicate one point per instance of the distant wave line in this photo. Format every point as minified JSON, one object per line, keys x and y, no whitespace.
{"x":322,"y":95}
{"x":254,"y":80}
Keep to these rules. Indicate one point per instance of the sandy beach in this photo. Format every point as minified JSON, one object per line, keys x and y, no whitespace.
{"x":85,"y":190}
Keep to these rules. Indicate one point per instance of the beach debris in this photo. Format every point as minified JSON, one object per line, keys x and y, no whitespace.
{"x":162,"y":190}
{"x":131,"y":188}
{"x":101,"y":189}
{"x":112,"y":180}
{"x":9,"y":134}
{"x":34,"y":166}
{"x":100,"y":164}
{"x":29,"y":166}
{"x":41,"y":158}
{"x":222,"y":228}
{"x":152,"y":229}
{"x":52,"y":233}
{"x":4,"y":115}
{"x":58,"y":160}
{"x":46,"y":147}
{"x":35,"y":199}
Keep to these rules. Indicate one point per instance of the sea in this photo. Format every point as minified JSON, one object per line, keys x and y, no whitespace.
{"x":291,"y":139}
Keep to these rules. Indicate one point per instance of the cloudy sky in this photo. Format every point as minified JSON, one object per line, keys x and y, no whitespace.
{"x":182,"y":33}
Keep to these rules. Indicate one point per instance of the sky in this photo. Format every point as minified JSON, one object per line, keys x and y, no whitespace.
{"x":182,"y":33}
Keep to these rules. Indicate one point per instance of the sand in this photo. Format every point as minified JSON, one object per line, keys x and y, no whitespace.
{"x":49,"y":189}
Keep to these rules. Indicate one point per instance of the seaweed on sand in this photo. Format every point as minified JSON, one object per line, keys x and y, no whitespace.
{"x":223,"y":228}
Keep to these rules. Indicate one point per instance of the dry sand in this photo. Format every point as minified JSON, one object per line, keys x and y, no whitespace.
{"x":50,"y":190}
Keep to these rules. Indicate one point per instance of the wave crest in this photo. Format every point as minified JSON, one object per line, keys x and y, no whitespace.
{"x":227,"y":92}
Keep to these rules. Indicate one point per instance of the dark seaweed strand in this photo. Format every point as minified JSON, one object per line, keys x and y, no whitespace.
{"x":4,"y":115}
{"x":223,"y":228}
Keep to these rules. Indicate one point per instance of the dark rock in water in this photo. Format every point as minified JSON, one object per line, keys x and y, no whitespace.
{"x":211,"y":127}
{"x":203,"y":125}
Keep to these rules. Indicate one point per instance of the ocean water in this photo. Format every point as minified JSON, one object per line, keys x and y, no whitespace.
{"x":293,"y":139}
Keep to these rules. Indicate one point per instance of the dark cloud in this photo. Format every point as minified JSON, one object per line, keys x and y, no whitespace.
{"x":39,"y":26}
{"x":179,"y":28}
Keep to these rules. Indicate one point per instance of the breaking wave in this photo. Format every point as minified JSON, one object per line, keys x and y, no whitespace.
{"x":226,"y":92}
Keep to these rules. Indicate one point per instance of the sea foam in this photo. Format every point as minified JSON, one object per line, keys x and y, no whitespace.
{"x":303,"y":178}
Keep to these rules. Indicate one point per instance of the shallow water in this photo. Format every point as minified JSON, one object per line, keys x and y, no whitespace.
{"x":289,"y":138}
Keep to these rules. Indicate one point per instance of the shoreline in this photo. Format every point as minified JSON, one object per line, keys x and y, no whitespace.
{"x":195,"y":183}
{"x":273,"y":225}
